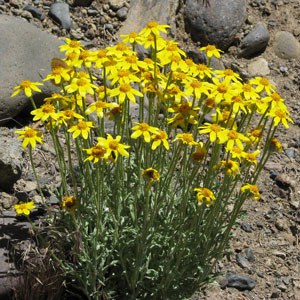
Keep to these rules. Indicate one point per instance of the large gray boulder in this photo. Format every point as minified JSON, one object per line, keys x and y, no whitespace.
{"x":143,"y":11}
{"x":26,"y":52}
{"x":216,"y":22}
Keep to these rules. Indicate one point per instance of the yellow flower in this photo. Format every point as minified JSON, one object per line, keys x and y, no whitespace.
{"x":131,"y":38}
{"x":27,"y":87}
{"x":24,"y":208}
{"x":151,"y":175}
{"x":99,"y":106}
{"x":160,"y":138}
{"x":143,"y":129}
{"x":45,"y":112}
{"x":254,"y":135}
{"x":122,"y":76}
{"x":215,"y":131}
{"x":60,"y":72}
{"x":221,"y":90}
{"x":231,"y":167}
{"x":236,"y":152}
{"x":211,"y":50}
{"x":186,"y":138}
{"x":81,"y":128}
{"x":251,"y":156}
{"x":153,"y":28}
{"x":113,"y":146}
{"x":70,"y":203}
{"x":71,"y":47}
{"x":197,"y":88}
{"x":276,"y":145}
{"x":82,"y":85}
{"x":262,"y":84}
{"x":96,"y":153}
{"x":228,"y":75}
{"x":200,"y":153}
{"x":29,"y":136}
{"x":124,"y":91}
{"x":279,"y":115}
{"x":201,"y":71}
{"x":234,"y":138}
{"x":131,"y":62}
{"x":205,"y":196}
{"x":252,"y":189}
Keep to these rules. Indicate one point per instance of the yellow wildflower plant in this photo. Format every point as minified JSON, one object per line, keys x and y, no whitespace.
{"x":207,"y":132}
{"x":24,"y":208}
{"x":30,"y":136}
{"x":28,"y":87}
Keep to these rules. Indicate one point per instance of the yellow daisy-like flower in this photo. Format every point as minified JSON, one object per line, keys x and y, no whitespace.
{"x":45,"y":112}
{"x":99,"y":107}
{"x":70,"y":203}
{"x":279,"y":115}
{"x":205,"y":196}
{"x":251,"y":157}
{"x":124,"y":91}
{"x":186,"y":138}
{"x":221,"y":90}
{"x":231,"y":167}
{"x":160,"y":138}
{"x":263,"y":84}
{"x":151,"y":175}
{"x":215,"y":131}
{"x":131,"y":38}
{"x":113,"y":146}
{"x":27,"y":87}
{"x":252,"y":190}
{"x":276,"y":145}
{"x":24,"y":208}
{"x":211,"y":50}
{"x":71,"y":46}
{"x":30,"y":137}
{"x":200,"y":153}
{"x":143,"y":129}
{"x":153,"y":28}
{"x":234,"y":138}
{"x":82,"y":85}
{"x":81,"y":128}
{"x":96,"y":153}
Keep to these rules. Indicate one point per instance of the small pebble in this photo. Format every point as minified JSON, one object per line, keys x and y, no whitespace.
{"x":246,"y":227}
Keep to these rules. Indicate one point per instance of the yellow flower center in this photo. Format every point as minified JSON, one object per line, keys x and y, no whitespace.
{"x":113,"y":145}
{"x":232,"y":135}
{"x":276,"y":97}
{"x":125,"y":88}
{"x":25,"y":84}
{"x":172,"y":48}
{"x":101,"y":89}
{"x":280,"y":113}
{"x":131,"y":59}
{"x":210,"y":48}
{"x":222,"y":88}
{"x":82,"y":125}
{"x":74,"y":44}
{"x":144,"y":127}
{"x":184,"y":108}
{"x":202,"y":67}
{"x":133,"y":35}
{"x":237,"y":99}
{"x":174,"y":90}
{"x":84,"y":55}
{"x":69,"y":201}
{"x":81,"y":82}
{"x":48,"y":109}
{"x":247,"y":88}
{"x":152,"y":24}
{"x":123,"y":73}
{"x":187,"y":137}
{"x":72,"y":56}
{"x":175,"y":58}
{"x":121,"y":47}
{"x":98,"y":151}
{"x":264,"y":81}
{"x":228,"y":72}
{"x":215,"y":127}
{"x":210,"y":102}
{"x":29,"y":133}
{"x":101,"y":53}
{"x":100,"y":104}
{"x":196,"y":84}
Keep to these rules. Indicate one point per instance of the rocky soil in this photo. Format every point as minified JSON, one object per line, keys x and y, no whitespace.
{"x":264,"y":254}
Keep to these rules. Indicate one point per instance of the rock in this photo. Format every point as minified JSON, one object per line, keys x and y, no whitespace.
{"x":60,"y":13}
{"x":10,"y":161}
{"x":258,"y":67}
{"x":35,"y":12}
{"x":286,"y":45}
{"x":255,"y":42}
{"x":6,"y":200}
{"x":116,"y":4}
{"x":240,"y":282}
{"x":122,"y":13}
{"x":282,"y":224}
{"x":216,"y":23}
{"x":243,"y":262}
{"x":26,"y":53}
{"x":285,"y":182}
{"x":246,"y":227}
{"x":249,"y":255}
{"x":143,"y":11}
{"x":84,"y":3}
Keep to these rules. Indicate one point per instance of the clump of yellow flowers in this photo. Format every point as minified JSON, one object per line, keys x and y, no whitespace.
{"x":152,"y":152}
